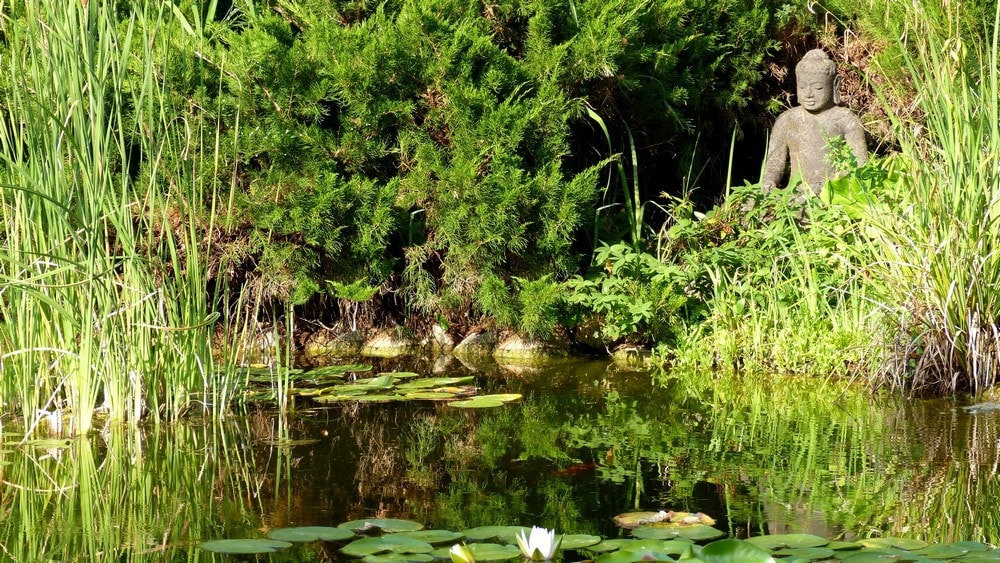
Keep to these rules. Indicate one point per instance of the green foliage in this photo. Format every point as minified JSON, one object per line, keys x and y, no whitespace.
{"x":637,"y":297}
{"x":432,"y":146}
{"x":935,"y":232}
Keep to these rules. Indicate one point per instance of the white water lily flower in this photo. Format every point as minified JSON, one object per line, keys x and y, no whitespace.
{"x":460,"y":553}
{"x":541,"y":545}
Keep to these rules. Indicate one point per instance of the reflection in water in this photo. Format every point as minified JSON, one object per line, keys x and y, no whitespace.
{"x":769,"y":455}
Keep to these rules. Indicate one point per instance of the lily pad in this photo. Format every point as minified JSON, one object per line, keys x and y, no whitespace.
{"x":632,"y":544}
{"x":844,"y":545}
{"x":898,"y":543}
{"x":385,"y":524}
{"x":578,"y":541}
{"x":378,"y":398}
{"x":380,"y":544}
{"x":432,"y":382}
{"x":735,"y":551}
{"x":310,"y":534}
{"x":484,"y":552}
{"x":429,"y":395}
{"x":433,"y":536}
{"x":506,"y":534}
{"x":942,"y":551}
{"x":881,"y":555}
{"x":380,"y":382}
{"x":788,"y":541}
{"x":338,"y":370}
{"x":666,"y":531}
{"x":398,"y":558}
{"x":632,"y":520}
{"x":244,"y":546}
{"x":486,"y":401}
{"x":807,"y":553}
{"x":400,"y":374}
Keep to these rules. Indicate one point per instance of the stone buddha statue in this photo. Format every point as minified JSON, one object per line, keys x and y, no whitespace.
{"x":800,"y":137}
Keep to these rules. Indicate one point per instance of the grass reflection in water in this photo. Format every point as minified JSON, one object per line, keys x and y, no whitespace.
{"x":768,"y":455}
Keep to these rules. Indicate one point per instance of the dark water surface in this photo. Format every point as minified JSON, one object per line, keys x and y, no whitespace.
{"x":588,"y":441}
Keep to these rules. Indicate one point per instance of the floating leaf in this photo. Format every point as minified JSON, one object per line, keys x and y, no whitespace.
{"x":385,"y":524}
{"x":506,"y":534}
{"x":433,"y":536}
{"x":943,"y":551}
{"x":665,"y":531}
{"x":808,"y":553}
{"x":897,"y":543}
{"x":380,"y":382}
{"x":398,"y":558}
{"x":842,"y":545}
{"x":310,"y":534}
{"x":244,"y":546}
{"x":484,"y":552}
{"x":429,"y":396}
{"x":432,"y":382}
{"x":578,"y":541}
{"x":376,"y":398}
{"x":400,"y":374}
{"x":391,"y":542}
{"x":338,"y":370}
{"x":666,"y":546}
{"x":632,"y":555}
{"x":873,"y":555}
{"x":734,"y":551}
{"x":486,"y":401}
{"x":788,"y":541}
{"x":632,"y":520}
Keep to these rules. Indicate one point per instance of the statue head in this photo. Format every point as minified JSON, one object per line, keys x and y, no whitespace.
{"x":816,"y":81}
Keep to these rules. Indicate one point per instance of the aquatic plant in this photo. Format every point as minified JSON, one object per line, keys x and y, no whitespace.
{"x":936,"y":231}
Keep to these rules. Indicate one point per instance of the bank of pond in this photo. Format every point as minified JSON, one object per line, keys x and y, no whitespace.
{"x":388,"y":461}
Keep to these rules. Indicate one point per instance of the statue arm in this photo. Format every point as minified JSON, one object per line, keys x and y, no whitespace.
{"x":777,"y":155}
{"x":855,"y":137}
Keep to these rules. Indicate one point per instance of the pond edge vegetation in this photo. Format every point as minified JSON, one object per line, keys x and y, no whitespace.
{"x":157,"y":229}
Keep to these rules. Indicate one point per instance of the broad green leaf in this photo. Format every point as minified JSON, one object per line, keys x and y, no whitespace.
{"x":433,"y":536}
{"x":897,"y":543}
{"x":389,"y":542}
{"x":310,"y":534}
{"x":385,"y":524}
{"x":696,"y":532}
{"x":484,"y":552}
{"x":244,"y":546}
{"x":734,"y":551}
{"x":790,"y":541}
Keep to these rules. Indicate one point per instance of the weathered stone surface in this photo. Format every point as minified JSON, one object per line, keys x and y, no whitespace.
{"x":476,"y":344}
{"x":391,"y":343}
{"x":588,"y":334}
{"x":327,"y":344}
{"x":439,"y":341}
{"x":632,"y":356}
{"x":800,"y":137}
{"x":521,"y":349}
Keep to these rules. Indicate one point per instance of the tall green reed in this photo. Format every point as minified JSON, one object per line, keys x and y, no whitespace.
{"x":103,"y":303}
{"x":936,"y":238}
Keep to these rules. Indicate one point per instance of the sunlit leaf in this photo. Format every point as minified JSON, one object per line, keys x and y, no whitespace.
{"x":244,"y":546}
{"x":385,"y":524}
{"x":390,"y":542}
{"x":310,"y":534}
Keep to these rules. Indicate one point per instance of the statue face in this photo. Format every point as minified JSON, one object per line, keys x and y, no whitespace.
{"x":815,"y":91}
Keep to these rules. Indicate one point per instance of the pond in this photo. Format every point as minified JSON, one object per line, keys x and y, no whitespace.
{"x":586,"y":442}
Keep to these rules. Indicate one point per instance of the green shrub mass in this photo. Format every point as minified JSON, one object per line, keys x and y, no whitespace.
{"x":433,"y":146}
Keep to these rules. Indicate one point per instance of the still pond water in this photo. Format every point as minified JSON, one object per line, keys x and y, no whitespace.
{"x":587,"y":441}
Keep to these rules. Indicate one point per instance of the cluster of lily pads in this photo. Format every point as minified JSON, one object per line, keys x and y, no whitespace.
{"x":387,"y":540}
{"x":342,"y":383}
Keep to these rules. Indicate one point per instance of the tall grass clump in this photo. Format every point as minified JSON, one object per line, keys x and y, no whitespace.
{"x":937,"y":235}
{"x":102,"y":304}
